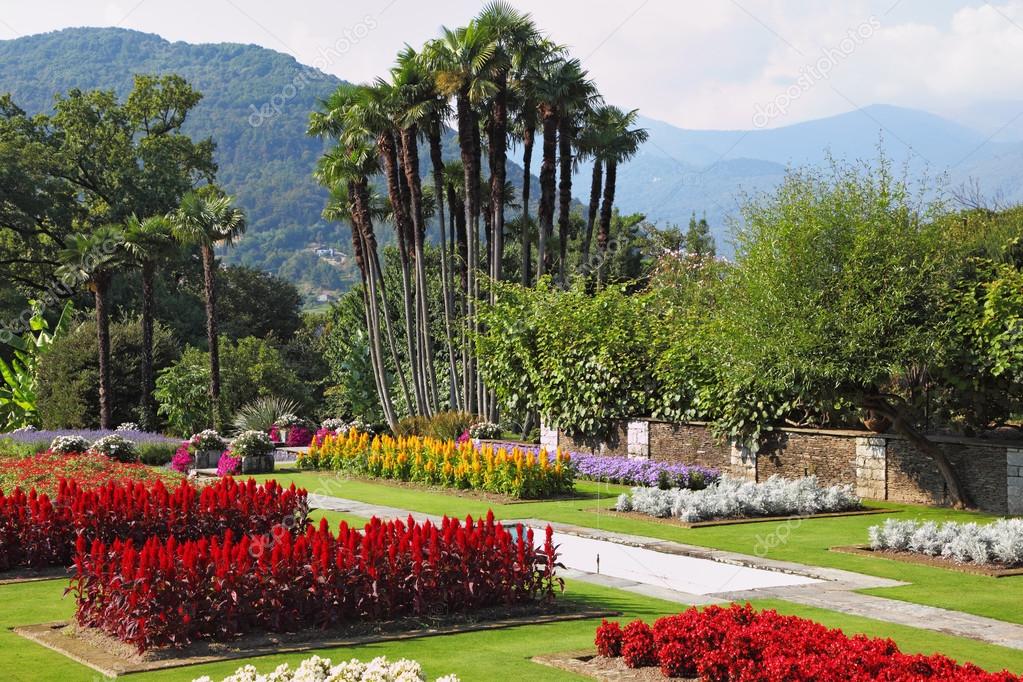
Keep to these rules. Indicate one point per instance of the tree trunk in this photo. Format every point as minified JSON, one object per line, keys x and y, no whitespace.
{"x":100,"y":288}
{"x":438,"y":185}
{"x":604,"y":233}
{"x":403,"y":227}
{"x":564,"y":195}
{"x":547,"y":173}
{"x":902,"y":426}
{"x":468,"y":140}
{"x":591,"y":216}
{"x":210,"y":286}
{"x":527,"y":240}
{"x":149,"y":421}
{"x":498,"y":156}
{"x":415,"y":192}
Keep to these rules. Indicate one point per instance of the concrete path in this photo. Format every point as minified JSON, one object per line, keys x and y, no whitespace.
{"x":689,"y":574}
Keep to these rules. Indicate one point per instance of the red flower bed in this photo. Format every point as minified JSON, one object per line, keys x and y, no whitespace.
{"x":43,"y":471}
{"x":738,"y":643}
{"x":38,"y":531}
{"x":166,"y":592}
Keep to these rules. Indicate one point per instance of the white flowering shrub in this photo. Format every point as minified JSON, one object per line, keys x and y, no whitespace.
{"x":250,"y":443}
{"x":128,"y":426}
{"x":208,"y":439}
{"x":1000,"y":542}
{"x":63,"y":445}
{"x":116,"y":447}
{"x":484,"y":430}
{"x":318,"y":669}
{"x":287,"y":421}
{"x":731,"y":498}
{"x":335,"y":424}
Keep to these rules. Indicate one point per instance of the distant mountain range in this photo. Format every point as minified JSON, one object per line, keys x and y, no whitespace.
{"x":258,"y":121}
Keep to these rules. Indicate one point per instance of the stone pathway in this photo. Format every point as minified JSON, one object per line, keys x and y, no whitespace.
{"x":650,"y":571}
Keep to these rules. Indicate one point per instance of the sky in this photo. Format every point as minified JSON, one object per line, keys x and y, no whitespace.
{"x":709,"y":64}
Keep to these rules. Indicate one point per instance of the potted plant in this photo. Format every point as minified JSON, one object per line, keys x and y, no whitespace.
{"x":256,"y":452}
{"x":207,"y":447}
{"x":284,"y":423}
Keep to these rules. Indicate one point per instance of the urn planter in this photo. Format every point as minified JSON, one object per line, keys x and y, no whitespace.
{"x":258,"y":464}
{"x":207,"y":459}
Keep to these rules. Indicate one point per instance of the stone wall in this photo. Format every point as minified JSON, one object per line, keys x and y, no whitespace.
{"x":880,"y":466}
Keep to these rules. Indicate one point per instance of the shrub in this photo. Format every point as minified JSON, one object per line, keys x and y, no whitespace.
{"x":415,"y":425}
{"x":221,"y":587}
{"x":609,"y":639}
{"x":182,"y":460}
{"x":208,"y":439}
{"x":36,"y":531}
{"x":316,"y":669}
{"x":485,"y":430}
{"x":510,"y":471}
{"x":262,"y":413}
{"x":638,"y":648}
{"x":69,"y":374}
{"x":1000,"y":542}
{"x":449,"y":425}
{"x":154,"y":448}
{"x":228,"y":465}
{"x":251,"y":444}
{"x":116,"y":446}
{"x":128,"y":426}
{"x":334,"y":424}
{"x":734,"y":498}
{"x":738,"y":643}
{"x":63,"y":445}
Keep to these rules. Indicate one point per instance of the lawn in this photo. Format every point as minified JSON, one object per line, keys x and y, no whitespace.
{"x":499,"y":654}
{"x":804,"y":542}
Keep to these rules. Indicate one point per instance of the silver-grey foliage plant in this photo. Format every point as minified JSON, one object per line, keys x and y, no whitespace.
{"x":1000,"y":542}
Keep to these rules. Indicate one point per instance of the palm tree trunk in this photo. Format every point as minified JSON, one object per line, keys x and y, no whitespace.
{"x":591,"y":216}
{"x":565,"y":194}
{"x":468,"y":140}
{"x":100,"y":288}
{"x":498,"y":171}
{"x":148,"y":379}
{"x":547,"y":172}
{"x":527,"y":241}
{"x":389,"y":155}
{"x":210,"y":289}
{"x":437,"y":160}
{"x":604,"y":233}
{"x":410,"y":160}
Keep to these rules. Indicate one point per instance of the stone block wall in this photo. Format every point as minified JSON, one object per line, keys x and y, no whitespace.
{"x":879,"y":466}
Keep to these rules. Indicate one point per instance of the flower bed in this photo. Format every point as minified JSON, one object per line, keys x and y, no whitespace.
{"x":37,"y":532}
{"x":997,"y":544}
{"x":318,"y":669}
{"x":43,"y":472}
{"x":738,"y":643}
{"x":731,"y":498}
{"x":510,"y":471}
{"x":168,"y":593}
{"x":154,"y":448}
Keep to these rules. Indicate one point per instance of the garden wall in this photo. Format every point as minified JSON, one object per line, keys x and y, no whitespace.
{"x":880,"y":466}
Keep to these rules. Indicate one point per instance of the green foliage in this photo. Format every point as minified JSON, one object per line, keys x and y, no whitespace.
{"x":18,"y":393}
{"x":251,"y":302}
{"x":415,"y":425}
{"x":351,"y":390}
{"x":699,"y":240}
{"x":582,"y":361}
{"x":249,"y":368}
{"x":262,"y":413}
{"x":69,"y":374}
{"x":450,"y":424}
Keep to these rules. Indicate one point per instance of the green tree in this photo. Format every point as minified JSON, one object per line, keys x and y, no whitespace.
{"x":19,"y":393}
{"x":699,"y":241}
{"x":206,"y":219}
{"x":252,"y":302}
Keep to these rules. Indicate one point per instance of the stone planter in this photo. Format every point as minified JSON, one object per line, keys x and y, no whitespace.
{"x":258,"y":464}
{"x":207,"y":459}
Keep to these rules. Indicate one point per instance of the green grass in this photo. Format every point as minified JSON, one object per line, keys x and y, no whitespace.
{"x":488,"y":655}
{"x":805,"y":542}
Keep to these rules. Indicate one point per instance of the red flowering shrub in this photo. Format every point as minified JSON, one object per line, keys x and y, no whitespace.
{"x":738,"y":643}
{"x":638,"y":647}
{"x":38,"y":531}
{"x":166,"y":592}
{"x":609,"y":639}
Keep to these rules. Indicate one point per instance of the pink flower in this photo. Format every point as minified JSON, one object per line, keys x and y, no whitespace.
{"x":182,"y":459}
{"x":228,"y":465}
{"x":464,"y":438}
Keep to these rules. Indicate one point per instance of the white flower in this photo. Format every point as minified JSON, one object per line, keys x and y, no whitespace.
{"x":316,"y":669}
{"x":66,"y":444}
{"x":251,"y":443}
{"x":128,"y":426}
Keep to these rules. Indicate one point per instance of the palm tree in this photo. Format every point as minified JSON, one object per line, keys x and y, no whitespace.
{"x":207,"y":218}
{"x":461,"y":58}
{"x":92,"y":258}
{"x":147,"y":242}
{"x":579,"y":97}
{"x":621,"y":144}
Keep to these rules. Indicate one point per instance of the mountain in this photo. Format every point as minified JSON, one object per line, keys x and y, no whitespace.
{"x":679,"y":171}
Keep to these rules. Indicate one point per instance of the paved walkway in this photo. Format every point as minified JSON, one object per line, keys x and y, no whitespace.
{"x":709,"y":576}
